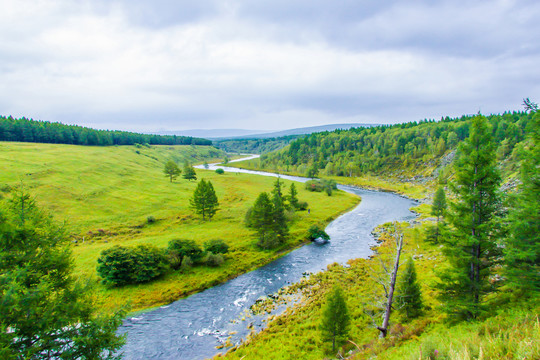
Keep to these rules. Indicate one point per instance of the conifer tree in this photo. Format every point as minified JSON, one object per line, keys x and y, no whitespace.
{"x":522,"y":250}
{"x":335,"y":318}
{"x":189,"y":172}
{"x":262,"y":219}
{"x":171,"y":170}
{"x":438,"y":208}
{"x":293,"y":196}
{"x":470,"y":244}
{"x":278,"y":212}
{"x":205,"y":201}
{"x":46,"y":312}
{"x":409,"y":299}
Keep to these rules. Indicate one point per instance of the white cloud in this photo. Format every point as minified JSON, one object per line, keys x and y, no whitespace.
{"x":92,"y":64}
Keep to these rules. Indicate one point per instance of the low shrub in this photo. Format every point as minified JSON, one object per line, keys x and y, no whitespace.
{"x":214,"y":260}
{"x":220,"y":171}
{"x":181,"y":248}
{"x":121,"y":265}
{"x":216,"y":246}
{"x":316,"y":232}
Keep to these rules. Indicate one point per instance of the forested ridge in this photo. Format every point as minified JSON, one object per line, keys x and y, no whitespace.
{"x":29,"y":130}
{"x":388,"y":148}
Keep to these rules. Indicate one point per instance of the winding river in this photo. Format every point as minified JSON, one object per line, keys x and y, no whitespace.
{"x":191,"y":328}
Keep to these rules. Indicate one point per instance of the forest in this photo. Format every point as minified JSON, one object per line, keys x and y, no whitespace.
{"x":388,"y":149}
{"x":28,"y":130}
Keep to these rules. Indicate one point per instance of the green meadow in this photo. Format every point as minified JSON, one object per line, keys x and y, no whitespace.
{"x":104,"y":195}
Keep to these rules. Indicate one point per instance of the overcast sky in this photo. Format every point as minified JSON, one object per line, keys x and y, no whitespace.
{"x":280,"y":64}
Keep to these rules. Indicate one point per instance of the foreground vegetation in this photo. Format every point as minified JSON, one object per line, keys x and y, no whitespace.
{"x":120,"y":196}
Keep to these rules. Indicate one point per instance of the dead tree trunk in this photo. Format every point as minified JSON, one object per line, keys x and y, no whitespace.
{"x":398,"y":237}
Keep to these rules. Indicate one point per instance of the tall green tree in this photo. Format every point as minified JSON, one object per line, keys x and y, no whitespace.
{"x":204,"y":200}
{"x":189,"y":172}
{"x":522,"y":248}
{"x":438,"y":208}
{"x":46,"y":312}
{"x":280,"y":222}
{"x":262,"y":220}
{"x":171,"y":170}
{"x":470,"y":243}
{"x":293,"y":196}
{"x":409,"y":295}
{"x":335,"y":318}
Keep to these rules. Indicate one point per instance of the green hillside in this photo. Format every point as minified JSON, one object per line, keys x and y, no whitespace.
{"x":106,"y":194}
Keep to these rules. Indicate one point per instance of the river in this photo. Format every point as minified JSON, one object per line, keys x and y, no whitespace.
{"x":191,"y":328}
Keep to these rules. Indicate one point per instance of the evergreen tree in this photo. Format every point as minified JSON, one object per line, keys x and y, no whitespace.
{"x":522,"y":250}
{"x":278,"y":211}
{"x":438,"y":208}
{"x":470,"y":244}
{"x":262,"y":219}
{"x":46,"y":313}
{"x":335,"y":318}
{"x":205,"y":201}
{"x":189,"y":172}
{"x":409,"y":299}
{"x":277,"y":189}
{"x":171,"y":170}
{"x":293,"y":196}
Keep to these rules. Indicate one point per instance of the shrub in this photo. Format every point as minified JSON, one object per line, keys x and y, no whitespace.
{"x":303,"y":205}
{"x":316,"y":232}
{"x":321,"y":185}
{"x":214,"y":260}
{"x":269,"y":241}
{"x":220,"y":171}
{"x":120,"y":265}
{"x":182,"y":248}
{"x":150,"y":219}
{"x":216,"y":246}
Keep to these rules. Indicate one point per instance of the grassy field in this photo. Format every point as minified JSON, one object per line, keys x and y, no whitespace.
{"x":106,"y":194}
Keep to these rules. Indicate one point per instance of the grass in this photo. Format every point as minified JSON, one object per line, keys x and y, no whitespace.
{"x":106,"y":194}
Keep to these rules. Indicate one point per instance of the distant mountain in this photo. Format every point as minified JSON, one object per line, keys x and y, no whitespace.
{"x":308,"y":130}
{"x":222,"y":134}
{"x":214,"y":133}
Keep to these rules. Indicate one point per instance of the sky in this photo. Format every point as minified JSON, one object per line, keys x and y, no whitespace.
{"x":264,"y":65}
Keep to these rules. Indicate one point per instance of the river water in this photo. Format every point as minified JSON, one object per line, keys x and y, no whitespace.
{"x":191,"y":328}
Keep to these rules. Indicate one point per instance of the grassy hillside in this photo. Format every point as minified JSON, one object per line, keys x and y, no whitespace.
{"x":106,"y":194}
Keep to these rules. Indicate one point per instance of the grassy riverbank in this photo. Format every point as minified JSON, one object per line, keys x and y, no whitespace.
{"x":513,"y":332}
{"x":106,"y":194}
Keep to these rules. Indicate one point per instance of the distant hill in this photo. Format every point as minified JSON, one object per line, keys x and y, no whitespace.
{"x":223,"y":134}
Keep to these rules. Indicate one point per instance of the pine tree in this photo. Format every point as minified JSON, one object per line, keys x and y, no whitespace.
{"x":171,"y":170}
{"x":189,"y":172}
{"x":522,"y":250}
{"x":262,"y":220}
{"x":293,"y":196}
{"x":278,"y":212}
{"x":409,"y":299}
{"x":46,"y":312}
{"x":205,"y":201}
{"x":335,"y":318}
{"x":470,"y":244}
{"x":438,"y":208}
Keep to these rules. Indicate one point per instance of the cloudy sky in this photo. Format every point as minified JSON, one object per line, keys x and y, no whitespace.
{"x":206,"y":64}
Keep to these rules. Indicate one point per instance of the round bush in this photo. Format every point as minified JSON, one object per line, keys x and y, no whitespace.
{"x":121,"y":265}
{"x":220,"y":171}
{"x":216,"y":246}
{"x":214,"y":260}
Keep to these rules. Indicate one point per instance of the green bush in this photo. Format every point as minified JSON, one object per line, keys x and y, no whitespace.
{"x":302,"y":205}
{"x":121,"y":265}
{"x":180,"y":249}
{"x":321,"y":185}
{"x":316,"y":232}
{"x":150,"y":219}
{"x":220,"y":171}
{"x":214,"y":260}
{"x":216,"y":246}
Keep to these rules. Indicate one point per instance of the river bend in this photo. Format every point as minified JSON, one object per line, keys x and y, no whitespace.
{"x":191,"y":328}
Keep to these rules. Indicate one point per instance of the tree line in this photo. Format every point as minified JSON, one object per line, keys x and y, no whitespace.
{"x":385,"y":148}
{"x":28,"y":130}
